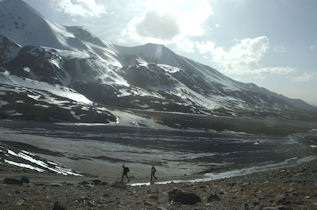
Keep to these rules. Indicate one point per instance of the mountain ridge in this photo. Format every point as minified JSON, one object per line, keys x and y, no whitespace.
{"x":147,"y":77}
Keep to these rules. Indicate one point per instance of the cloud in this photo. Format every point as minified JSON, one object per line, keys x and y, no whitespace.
{"x":312,"y":47}
{"x":306,"y":77}
{"x":185,"y":45}
{"x":192,"y":20}
{"x":242,"y":58}
{"x":279,"y":49}
{"x":168,"y":22}
{"x":274,"y":70}
{"x":206,"y":47}
{"x":158,"y":25}
{"x":79,"y":7}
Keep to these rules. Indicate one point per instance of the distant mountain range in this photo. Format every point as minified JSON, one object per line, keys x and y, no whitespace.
{"x":64,"y":73}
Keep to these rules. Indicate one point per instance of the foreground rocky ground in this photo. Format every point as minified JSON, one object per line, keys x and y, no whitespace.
{"x":288,"y":188}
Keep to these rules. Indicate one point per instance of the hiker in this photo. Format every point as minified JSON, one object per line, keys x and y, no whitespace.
{"x":125,"y":173}
{"x":153,"y":171}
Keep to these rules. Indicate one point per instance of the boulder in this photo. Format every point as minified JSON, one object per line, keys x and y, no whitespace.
{"x":24,"y":179}
{"x":103,"y":183}
{"x":213,"y":197}
{"x":83,"y":183}
{"x":147,"y":203}
{"x":12,"y":181}
{"x":119,"y":185}
{"x":154,"y":197}
{"x":57,"y":206}
{"x":96,"y":181}
{"x":275,"y":208}
{"x":91,"y":203}
{"x":183,"y":197}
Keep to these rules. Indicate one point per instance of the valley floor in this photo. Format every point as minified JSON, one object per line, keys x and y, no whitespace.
{"x":287,"y":188}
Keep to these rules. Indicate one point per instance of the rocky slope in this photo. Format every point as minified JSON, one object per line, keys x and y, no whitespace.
{"x":288,"y":188}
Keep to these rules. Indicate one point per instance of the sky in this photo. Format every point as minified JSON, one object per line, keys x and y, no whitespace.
{"x":272,"y":43}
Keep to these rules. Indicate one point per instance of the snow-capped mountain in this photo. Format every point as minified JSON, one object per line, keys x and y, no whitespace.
{"x":148,"y":77}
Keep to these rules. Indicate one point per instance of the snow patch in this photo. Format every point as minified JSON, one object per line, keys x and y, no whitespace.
{"x":56,"y":169}
{"x":3,"y":103}
{"x":23,"y":165}
{"x":35,"y":97}
{"x":27,"y":69}
{"x":169,"y":69}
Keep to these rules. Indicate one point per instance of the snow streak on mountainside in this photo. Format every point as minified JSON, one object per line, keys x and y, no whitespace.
{"x":148,"y":77}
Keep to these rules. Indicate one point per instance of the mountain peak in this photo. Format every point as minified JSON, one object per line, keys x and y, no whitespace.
{"x":10,"y":1}
{"x":154,"y":45}
{"x":18,"y":5}
{"x":22,"y":23}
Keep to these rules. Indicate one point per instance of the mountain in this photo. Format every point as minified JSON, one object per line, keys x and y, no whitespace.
{"x":149,"y":77}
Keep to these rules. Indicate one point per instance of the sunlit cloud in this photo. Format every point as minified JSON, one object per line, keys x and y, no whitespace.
{"x":242,"y":58}
{"x":306,"y":77}
{"x":192,"y":20}
{"x":79,"y":7}
{"x":169,"y":22}
{"x":158,"y":25}
{"x":136,"y":32}
{"x":185,"y":45}
{"x":206,"y":47}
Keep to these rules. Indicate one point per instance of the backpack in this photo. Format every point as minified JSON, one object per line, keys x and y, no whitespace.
{"x":127,"y":169}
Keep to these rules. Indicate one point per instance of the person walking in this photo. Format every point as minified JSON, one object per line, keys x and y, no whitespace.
{"x":125,"y":173}
{"x":153,"y":171}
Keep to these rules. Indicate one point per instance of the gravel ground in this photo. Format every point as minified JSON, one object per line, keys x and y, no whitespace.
{"x":287,"y":188}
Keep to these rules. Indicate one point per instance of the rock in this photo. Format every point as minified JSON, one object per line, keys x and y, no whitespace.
{"x":119,"y":185}
{"x":274,"y":208}
{"x":146,"y":203}
{"x":24,"y":179}
{"x":283,"y":200}
{"x":258,"y":207}
{"x":12,"y":181}
{"x":295,"y":193}
{"x":213,"y":197}
{"x":106,"y":195}
{"x":256,"y":203}
{"x":96,"y":181}
{"x":244,"y":206}
{"x":186,"y":185}
{"x":19,"y":202}
{"x":83,"y":199}
{"x":183,"y":197}
{"x":57,"y":206}
{"x":154,"y":197}
{"x":103,"y":183}
{"x":55,"y":184}
{"x":91,"y":204}
{"x":67,"y":183}
{"x":231,"y":184}
{"x":83,"y":183}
